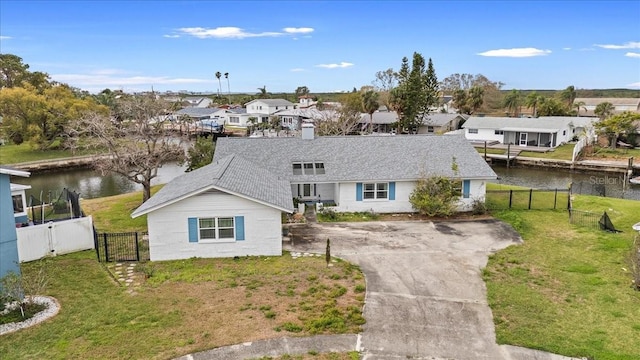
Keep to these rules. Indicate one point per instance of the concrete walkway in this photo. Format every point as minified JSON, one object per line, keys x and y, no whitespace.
{"x":425,"y":295}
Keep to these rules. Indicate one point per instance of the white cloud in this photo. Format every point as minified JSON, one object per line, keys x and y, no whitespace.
{"x":334,"y":66}
{"x":634,"y":85}
{"x":632,"y":54}
{"x":515,"y":52}
{"x":301,"y":30}
{"x":297,"y":70}
{"x":566,"y":48}
{"x":171,"y":36}
{"x":5,"y":37}
{"x":104,"y":79}
{"x":629,"y":45}
{"x":225,"y":32}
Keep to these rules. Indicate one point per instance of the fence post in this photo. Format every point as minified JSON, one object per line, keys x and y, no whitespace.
{"x":106,"y":248}
{"x":555,"y":199}
{"x":137,"y":248}
{"x":569,"y":196}
{"x":510,"y":197}
{"x":96,"y":243}
{"x":530,"y":196}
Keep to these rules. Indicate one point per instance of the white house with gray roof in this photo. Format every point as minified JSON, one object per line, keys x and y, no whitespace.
{"x":545,"y":131}
{"x":384,"y":121}
{"x":363,"y":173}
{"x":232,"y":207}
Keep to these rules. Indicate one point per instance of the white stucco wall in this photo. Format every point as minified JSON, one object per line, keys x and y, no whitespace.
{"x":347,"y":198}
{"x":477,"y":191}
{"x":169,"y":233}
{"x":484,"y":134}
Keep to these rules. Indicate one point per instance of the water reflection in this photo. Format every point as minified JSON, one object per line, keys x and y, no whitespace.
{"x":91,"y":184}
{"x":601,"y":184}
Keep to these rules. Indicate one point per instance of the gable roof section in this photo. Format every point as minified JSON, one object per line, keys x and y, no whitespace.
{"x":362,"y":158}
{"x":231,"y":174}
{"x":8,"y":170}
{"x":544,"y":123}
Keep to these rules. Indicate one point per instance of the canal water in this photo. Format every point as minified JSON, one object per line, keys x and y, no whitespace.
{"x":91,"y":184}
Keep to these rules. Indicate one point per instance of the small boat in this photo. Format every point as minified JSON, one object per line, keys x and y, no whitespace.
{"x":635,"y":180}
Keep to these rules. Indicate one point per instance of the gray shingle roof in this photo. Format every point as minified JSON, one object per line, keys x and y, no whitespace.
{"x":230,"y":174}
{"x":193,"y":111}
{"x":362,"y":158}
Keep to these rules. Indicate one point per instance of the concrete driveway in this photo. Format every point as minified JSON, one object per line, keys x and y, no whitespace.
{"x":425,"y":295}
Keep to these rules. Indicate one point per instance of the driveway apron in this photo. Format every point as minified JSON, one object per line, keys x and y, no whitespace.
{"x":425,"y":293}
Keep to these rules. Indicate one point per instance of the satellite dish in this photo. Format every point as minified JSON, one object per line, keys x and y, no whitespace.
{"x":636,"y":227}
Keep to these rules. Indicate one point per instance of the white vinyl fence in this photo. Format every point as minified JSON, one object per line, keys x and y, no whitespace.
{"x":55,"y":238}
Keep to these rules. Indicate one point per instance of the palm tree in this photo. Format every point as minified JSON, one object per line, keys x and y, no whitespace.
{"x":579,"y":105}
{"x":533,"y":100}
{"x":370,"y":105}
{"x":218,"y":75}
{"x":513,"y":102}
{"x":604,"y":110}
{"x":263,"y":94}
{"x":226,"y":76}
{"x":569,"y":95}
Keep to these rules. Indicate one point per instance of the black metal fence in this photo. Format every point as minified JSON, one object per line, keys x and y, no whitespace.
{"x":130,"y":246}
{"x":584,"y":218}
{"x":528,"y":199}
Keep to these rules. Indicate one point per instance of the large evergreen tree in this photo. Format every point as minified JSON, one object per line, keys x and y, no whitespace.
{"x":417,"y":90}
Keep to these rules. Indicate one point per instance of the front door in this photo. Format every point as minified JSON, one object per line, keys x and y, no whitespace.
{"x":307,"y":190}
{"x":523,"y":139}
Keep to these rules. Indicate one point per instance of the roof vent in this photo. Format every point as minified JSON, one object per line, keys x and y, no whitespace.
{"x":307,"y":131}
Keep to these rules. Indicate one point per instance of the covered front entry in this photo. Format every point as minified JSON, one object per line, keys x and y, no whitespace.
{"x":314,"y":192}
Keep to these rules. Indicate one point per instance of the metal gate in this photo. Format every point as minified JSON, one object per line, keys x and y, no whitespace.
{"x":130,"y":246}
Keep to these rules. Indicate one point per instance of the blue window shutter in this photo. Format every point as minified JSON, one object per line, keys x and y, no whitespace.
{"x":358,"y":191}
{"x":239,"y":220}
{"x":193,"y":229}
{"x":466,"y":184}
{"x":392,"y":190}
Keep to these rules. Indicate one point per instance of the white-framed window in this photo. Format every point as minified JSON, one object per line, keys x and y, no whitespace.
{"x":234,"y":119}
{"x":430,"y":129}
{"x":308,"y":168}
{"x":499,"y":132}
{"x":473,"y":131}
{"x":374,"y":191}
{"x":216,"y":228}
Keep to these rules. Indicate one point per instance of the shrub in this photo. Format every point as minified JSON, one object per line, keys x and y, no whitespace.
{"x":479,"y":207}
{"x":435,"y":196}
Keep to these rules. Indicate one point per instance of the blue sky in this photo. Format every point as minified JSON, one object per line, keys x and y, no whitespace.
{"x":326,"y":46}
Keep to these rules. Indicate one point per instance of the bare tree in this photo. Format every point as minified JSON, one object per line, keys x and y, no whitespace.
{"x":341,"y":122}
{"x":137,"y":145}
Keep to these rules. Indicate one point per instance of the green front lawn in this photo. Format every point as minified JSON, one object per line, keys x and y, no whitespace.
{"x":187,"y":306}
{"x":567,"y":289}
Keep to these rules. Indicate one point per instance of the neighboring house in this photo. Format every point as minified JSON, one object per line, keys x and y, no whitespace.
{"x":9,"y":258}
{"x":197,"y":114}
{"x":545,"y":131}
{"x":19,"y":199}
{"x":383,"y":122}
{"x":266,"y":107}
{"x":293,"y":119}
{"x":238,"y":117}
{"x":190,"y":101}
{"x":619,"y":105}
{"x":230,"y":207}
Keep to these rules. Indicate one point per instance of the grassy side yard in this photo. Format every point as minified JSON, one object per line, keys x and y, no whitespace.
{"x":13,"y":154}
{"x":562,"y":152}
{"x":113,"y":213}
{"x":567,"y":289}
{"x":187,"y":306}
